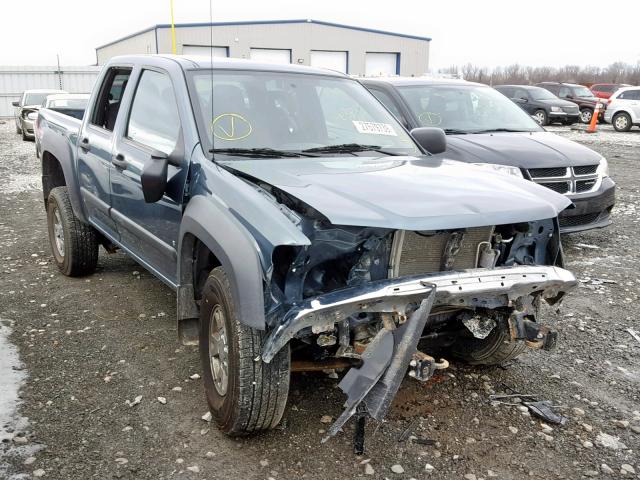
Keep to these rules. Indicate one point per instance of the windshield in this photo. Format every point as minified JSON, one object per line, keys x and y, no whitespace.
{"x":35,"y":98}
{"x":465,"y":109}
{"x":292,"y":112}
{"x":538,"y":93}
{"x":76,"y":103}
{"x":582,"y":92}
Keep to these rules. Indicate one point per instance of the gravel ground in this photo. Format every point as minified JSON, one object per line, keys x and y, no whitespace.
{"x":88,"y":347}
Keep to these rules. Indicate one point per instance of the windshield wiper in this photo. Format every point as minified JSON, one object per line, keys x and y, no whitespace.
{"x":258,"y":152}
{"x":455,"y":131}
{"x":349,"y":148}
{"x":492,"y":130}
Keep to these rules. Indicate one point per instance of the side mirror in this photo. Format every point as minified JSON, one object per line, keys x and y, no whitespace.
{"x":154,"y":176}
{"x":432,"y":139}
{"x":16,"y":103}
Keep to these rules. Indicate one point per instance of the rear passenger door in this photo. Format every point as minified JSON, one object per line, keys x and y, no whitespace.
{"x":95,"y":145}
{"x":150,"y":126}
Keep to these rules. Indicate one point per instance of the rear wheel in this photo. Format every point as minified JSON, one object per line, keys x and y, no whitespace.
{"x":585,"y":115}
{"x":622,"y":122}
{"x":244,"y":394}
{"x":74,"y":244}
{"x":541,"y":117}
{"x":496,"y":348}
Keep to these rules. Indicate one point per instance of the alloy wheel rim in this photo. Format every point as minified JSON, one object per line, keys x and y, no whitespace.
{"x":218,"y":350}
{"x":58,"y":233}
{"x":621,"y":122}
{"x":540,"y":117}
{"x":586,"y":116}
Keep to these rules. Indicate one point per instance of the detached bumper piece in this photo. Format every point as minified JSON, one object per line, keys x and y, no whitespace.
{"x":372,"y":387}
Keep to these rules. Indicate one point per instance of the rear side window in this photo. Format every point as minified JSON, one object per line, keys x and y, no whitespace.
{"x":108,"y":103}
{"x":604,"y":88}
{"x":506,"y":91}
{"x":630,"y":95}
{"x":154,"y":120}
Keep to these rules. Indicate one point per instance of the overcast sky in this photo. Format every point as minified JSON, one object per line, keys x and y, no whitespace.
{"x":484,"y":32}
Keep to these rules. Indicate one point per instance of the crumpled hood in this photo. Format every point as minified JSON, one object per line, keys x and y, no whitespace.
{"x":406,"y":193}
{"x":523,"y":150}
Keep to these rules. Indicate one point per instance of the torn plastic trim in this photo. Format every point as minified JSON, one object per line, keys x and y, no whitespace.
{"x":480,"y":287}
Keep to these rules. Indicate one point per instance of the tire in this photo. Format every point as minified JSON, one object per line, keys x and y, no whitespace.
{"x":495,"y":349}
{"x":541,"y":117}
{"x":18,"y":129}
{"x":621,"y":122}
{"x":585,"y":115}
{"x":24,"y":136}
{"x":74,"y":245}
{"x":252,"y":395}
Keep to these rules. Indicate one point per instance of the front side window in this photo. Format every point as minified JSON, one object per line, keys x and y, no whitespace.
{"x":466,"y":109}
{"x":564,"y":92}
{"x":538,"y":93}
{"x":291,"y":112}
{"x":154,"y":120}
{"x":388,"y":102}
{"x":582,"y":92}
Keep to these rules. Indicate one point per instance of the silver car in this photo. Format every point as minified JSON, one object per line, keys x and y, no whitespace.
{"x":27,"y":110}
{"x":623,"y":111}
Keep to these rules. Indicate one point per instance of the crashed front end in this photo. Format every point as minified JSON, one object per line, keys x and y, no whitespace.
{"x":370,"y":295}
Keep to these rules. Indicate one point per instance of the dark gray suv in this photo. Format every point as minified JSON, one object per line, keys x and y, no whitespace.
{"x":483,"y":127}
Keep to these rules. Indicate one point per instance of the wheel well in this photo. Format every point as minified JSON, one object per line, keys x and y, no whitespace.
{"x":203,"y":262}
{"x":196,"y":262}
{"x":619,"y":112}
{"x":52,"y":175}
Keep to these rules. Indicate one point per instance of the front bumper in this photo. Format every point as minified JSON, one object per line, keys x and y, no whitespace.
{"x":565,"y":117}
{"x":488,"y":288}
{"x":27,"y":127}
{"x":592,"y":210}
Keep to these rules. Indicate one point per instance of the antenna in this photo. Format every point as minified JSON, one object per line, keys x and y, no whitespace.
{"x":211,"y":75}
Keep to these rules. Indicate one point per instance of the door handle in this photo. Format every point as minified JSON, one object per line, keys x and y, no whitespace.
{"x":119,"y":161}
{"x":84,"y":144}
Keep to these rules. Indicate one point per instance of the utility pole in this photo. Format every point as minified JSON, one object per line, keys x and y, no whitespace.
{"x":59,"y":72}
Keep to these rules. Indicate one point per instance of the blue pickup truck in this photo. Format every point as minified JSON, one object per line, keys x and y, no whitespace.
{"x":299,"y":223}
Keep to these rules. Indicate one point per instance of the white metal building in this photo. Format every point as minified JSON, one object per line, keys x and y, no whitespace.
{"x":352,"y":50}
{"x":16,"y":79}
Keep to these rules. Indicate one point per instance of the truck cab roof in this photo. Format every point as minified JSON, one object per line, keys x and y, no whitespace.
{"x":197,"y":62}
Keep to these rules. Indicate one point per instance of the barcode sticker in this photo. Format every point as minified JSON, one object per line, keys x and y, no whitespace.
{"x":374,"y":128}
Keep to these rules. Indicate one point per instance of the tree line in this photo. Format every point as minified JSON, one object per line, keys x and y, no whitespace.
{"x":617,"y":72}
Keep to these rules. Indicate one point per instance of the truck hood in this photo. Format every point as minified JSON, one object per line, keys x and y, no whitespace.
{"x":522,"y":149}
{"x":407,"y":193}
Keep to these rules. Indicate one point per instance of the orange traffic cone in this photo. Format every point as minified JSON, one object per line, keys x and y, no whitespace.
{"x":594,"y":119}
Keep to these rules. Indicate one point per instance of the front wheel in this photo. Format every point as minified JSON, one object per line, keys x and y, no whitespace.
{"x":585,"y":115}
{"x":622,"y":122}
{"x":495,"y":349}
{"x":73,"y":243}
{"x":245,"y":394}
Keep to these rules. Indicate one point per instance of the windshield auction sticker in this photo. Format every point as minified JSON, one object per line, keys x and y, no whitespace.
{"x":374,"y":128}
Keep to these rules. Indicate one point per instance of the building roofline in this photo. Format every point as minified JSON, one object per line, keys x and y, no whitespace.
{"x":265,"y":22}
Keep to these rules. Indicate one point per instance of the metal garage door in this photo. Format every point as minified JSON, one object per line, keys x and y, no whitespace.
{"x":381,"y":64}
{"x":204,"y":50}
{"x":271,"y":55}
{"x":328,"y":59}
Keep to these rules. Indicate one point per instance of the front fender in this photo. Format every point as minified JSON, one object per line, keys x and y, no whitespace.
{"x":236,"y":250}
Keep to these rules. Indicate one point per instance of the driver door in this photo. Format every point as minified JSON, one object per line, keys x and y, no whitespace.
{"x":151,"y":126}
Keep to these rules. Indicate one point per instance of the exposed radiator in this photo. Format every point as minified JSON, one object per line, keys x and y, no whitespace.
{"x":414,"y":253}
